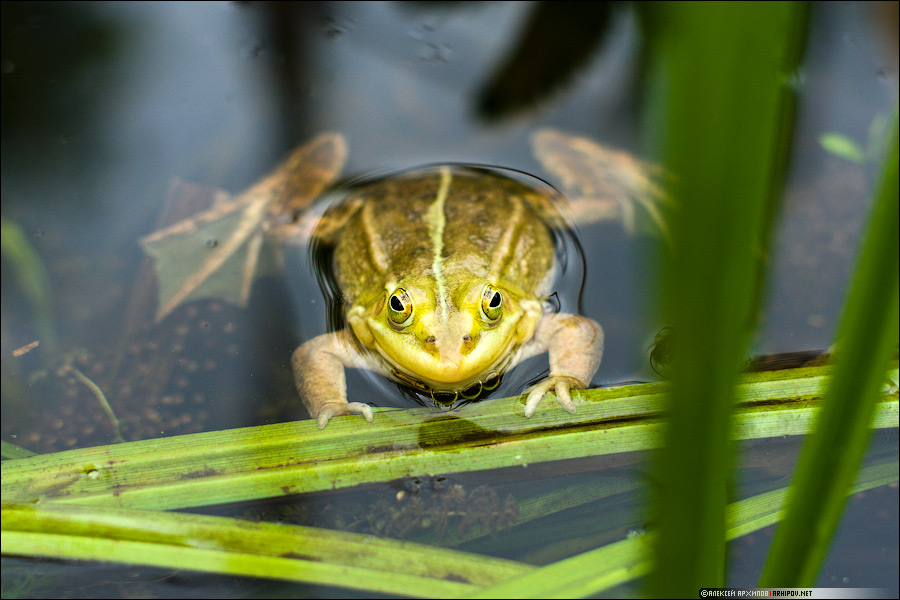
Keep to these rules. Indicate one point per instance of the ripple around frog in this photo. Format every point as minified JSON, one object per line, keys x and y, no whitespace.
{"x":565,"y":293}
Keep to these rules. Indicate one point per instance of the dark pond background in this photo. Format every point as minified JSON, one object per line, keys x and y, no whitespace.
{"x":103,"y":105}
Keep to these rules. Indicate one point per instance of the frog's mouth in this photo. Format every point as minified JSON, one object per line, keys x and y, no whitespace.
{"x":449,"y":397}
{"x":447,"y":393}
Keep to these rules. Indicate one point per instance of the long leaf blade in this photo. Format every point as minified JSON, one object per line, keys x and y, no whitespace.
{"x":720,"y":68}
{"x":291,"y":458}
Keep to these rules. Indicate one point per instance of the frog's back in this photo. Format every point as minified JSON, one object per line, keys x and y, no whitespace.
{"x":479,"y":222}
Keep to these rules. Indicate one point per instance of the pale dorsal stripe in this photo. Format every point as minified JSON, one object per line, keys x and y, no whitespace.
{"x":437,"y":220}
{"x":507,"y":240}
{"x":376,"y":249}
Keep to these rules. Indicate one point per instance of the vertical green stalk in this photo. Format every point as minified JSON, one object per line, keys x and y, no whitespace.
{"x":31,"y":277}
{"x":720,"y":72}
{"x":866,"y":340}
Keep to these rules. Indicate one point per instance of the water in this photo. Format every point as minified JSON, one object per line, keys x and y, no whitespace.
{"x":104,"y":104}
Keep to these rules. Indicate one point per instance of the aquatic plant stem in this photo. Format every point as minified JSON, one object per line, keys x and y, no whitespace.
{"x":101,"y":398}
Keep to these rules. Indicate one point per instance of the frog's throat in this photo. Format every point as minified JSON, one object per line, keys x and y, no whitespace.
{"x":437,"y":221}
{"x":486,"y":380}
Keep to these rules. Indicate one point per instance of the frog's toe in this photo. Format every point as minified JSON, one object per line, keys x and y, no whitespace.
{"x":563,"y":396}
{"x":344,"y":408}
{"x":361,"y":408}
{"x":536,"y":395}
{"x":325,"y":415}
{"x":561,"y":385}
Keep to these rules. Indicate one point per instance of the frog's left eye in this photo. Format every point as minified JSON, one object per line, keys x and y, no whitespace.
{"x":400,"y":308}
{"x":491,"y":303}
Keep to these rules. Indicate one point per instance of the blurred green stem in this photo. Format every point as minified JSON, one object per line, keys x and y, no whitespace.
{"x":32,"y":279}
{"x":725,"y":114}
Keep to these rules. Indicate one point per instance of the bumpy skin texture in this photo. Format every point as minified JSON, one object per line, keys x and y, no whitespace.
{"x":442,"y":273}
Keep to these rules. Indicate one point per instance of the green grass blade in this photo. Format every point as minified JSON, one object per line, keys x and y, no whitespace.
{"x":290,"y":458}
{"x":317,"y":556}
{"x":12,"y":451}
{"x":594,"y":572}
{"x":235,"y":547}
{"x":721,"y":69}
{"x":867,"y":338}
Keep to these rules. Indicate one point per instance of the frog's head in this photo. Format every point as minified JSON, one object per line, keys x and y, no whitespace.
{"x":449,"y":336}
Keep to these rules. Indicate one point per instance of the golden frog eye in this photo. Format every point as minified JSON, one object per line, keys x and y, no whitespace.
{"x":491,"y":303}
{"x":400,"y":308}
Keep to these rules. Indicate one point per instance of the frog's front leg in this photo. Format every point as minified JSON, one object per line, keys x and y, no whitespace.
{"x":319,"y":374}
{"x":575,"y":346}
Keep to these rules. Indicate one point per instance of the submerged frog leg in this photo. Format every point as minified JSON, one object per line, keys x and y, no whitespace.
{"x":186,"y":260}
{"x":601,"y":183}
{"x":575,"y":346}
{"x":307,"y":171}
{"x":299,"y":181}
{"x":319,"y":375}
{"x":217,"y":253}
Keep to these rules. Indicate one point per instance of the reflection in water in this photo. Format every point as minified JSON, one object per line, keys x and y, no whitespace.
{"x":555,"y":45}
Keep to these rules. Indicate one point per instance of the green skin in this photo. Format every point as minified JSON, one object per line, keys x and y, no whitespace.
{"x":443,"y":272}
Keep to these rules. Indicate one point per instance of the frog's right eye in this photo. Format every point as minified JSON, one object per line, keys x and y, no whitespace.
{"x":491,"y":304}
{"x":400,"y":308}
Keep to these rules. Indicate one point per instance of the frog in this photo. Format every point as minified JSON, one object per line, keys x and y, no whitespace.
{"x":443,"y":271}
